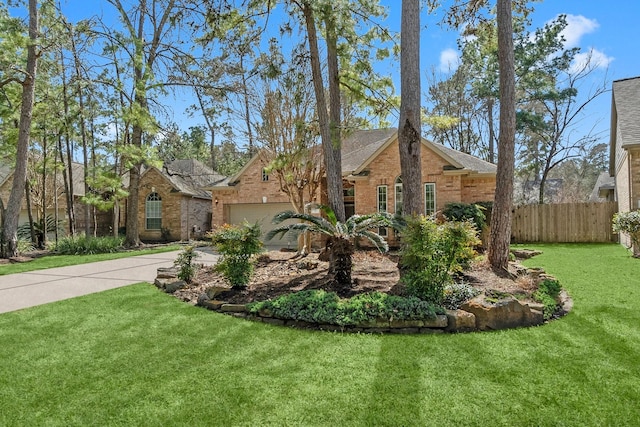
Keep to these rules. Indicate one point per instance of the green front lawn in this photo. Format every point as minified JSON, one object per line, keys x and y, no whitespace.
{"x":51,"y":261}
{"x":135,"y":356}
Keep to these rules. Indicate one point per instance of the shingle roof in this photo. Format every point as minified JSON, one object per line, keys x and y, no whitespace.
{"x":190,"y":177}
{"x":626,"y":96}
{"x":359,"y":147}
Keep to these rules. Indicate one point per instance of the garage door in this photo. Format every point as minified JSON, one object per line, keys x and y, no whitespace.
{"x":263,"y":213}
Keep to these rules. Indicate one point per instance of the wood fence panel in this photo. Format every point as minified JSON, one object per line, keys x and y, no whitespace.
{"x":564,"y":223}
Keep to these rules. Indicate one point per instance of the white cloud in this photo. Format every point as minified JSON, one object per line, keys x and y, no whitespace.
{"x":578,"y":26}
{"x":449,"y":60}
{"x":592,"y":59}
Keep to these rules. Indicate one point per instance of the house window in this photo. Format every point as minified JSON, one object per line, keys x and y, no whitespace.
{"x":429,"y":198}
{"x":382,"y":205}
{"x":265,"y":175}
{"x":398,"y":198}
{"x":153,"y":208}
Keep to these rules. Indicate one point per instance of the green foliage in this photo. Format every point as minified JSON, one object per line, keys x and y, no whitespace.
{"x":318,"y":306}
{"x":51,"y":225}
{"x":432,"y":253}
{"x":341,"y":235}
{"x":357,"y":226}
{"x":186,"y":265}
{"x":455,"y":294}
{"x":459,"y":211}
{"x":83,"y":245}
{"x":628,"y":222}
{"x":237,"y":244}
{"x":547,"y":294}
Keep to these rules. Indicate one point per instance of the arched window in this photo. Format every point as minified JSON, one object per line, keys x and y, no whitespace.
{"x":153,"y":208}
{"x":398,"y":195}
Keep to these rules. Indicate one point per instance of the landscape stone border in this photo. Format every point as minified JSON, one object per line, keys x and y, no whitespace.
{"x":477,"y":314}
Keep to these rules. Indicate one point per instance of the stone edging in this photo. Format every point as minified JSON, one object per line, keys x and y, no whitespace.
{"x":476,"y":314}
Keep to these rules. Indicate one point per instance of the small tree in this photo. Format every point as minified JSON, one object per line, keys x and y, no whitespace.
{"x":629,"y":222}
{"x":432,"y":253}
{"x":340,"y":236}
{"x":237,"y":244}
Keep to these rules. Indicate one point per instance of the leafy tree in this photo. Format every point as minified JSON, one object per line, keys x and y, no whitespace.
{"x":552,"y":108}
{"x":340,"y":237}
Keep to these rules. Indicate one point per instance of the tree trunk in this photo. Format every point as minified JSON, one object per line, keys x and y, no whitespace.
{"x":333,"y":169}
{"x":333,"y":152}
{"x":492,"y":134}
{"x":67,"y":173}
{"x":409,"y":129}
{"x":32,"y":227}
{"x":340,"y":261}
{"x":12,"y":214}
{"x":501,"y":214}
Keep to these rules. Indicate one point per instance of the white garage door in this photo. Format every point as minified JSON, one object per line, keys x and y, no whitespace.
{"x":263,"y":213}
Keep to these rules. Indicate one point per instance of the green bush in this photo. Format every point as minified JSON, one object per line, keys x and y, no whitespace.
{"x":187,"y":268}
{"x":466,"y":212}
{"x":432,"y":253}
{"x":318,"y":306}
{"x":547,"y":294}
{"x":629,"y":222}
{"x":83,"y":245}
{"x":455,"y":294}
{"x":237,"y":244}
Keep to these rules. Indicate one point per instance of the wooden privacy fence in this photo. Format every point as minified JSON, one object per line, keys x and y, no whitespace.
{"x":566,"y":222}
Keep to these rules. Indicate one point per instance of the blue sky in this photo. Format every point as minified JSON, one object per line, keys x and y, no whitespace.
{"x":610,"y":31}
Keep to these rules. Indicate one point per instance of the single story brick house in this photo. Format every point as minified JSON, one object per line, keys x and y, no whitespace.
{"x":372,"y":181}
{"x":624,"y":147}
{"x":173,"y":204}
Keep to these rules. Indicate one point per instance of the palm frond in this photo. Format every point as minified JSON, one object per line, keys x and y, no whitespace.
{"x":376,"y":239}
{"x":319,"y":222}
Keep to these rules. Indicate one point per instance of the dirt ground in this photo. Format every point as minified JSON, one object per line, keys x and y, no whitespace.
{"x":278,"y":273}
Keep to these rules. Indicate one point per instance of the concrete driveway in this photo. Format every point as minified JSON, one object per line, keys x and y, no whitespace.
{"x":24,"y":290}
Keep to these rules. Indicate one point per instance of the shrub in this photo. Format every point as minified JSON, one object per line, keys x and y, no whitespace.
{"x":432,"y":253}
{"x":466,"y":212}
{"x":547,"y":294}
{"x":187,"y":269}
{"x":629,"y":222}
{"x":455,"y":294}
{"x":318,"y":306}
{"x":83,"y":245}
{"x":236,"y":244}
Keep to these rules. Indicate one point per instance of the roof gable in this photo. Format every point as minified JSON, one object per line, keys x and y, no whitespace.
{"x":369,"y":144}
{"x":190,"y":177}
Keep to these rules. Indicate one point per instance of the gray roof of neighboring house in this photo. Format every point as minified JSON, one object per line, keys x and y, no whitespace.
{"x":190,"y":177}
{"x":77,"y":170}
{"x":604,"y":184}
{"x":626,"y":106}
{"x":358,"y":148}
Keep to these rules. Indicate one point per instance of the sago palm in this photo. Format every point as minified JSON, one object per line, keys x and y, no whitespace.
{"x":340,"y":236}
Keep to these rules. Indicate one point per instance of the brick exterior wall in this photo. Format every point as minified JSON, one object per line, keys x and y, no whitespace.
{"x":385,"y":168}
{"x":180,"y":212}
{"x":250,"y":189}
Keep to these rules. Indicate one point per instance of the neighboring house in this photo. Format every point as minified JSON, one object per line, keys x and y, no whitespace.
{"x":372,"y":181}
{"x":54,"y":199}
{"x":624,"y":144}
{"x":604,"y":188}
{"x":172,"y":203}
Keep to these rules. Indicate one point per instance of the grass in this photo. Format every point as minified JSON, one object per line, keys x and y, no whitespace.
{"x":51,"y":261}
{"x":135,"y":356}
